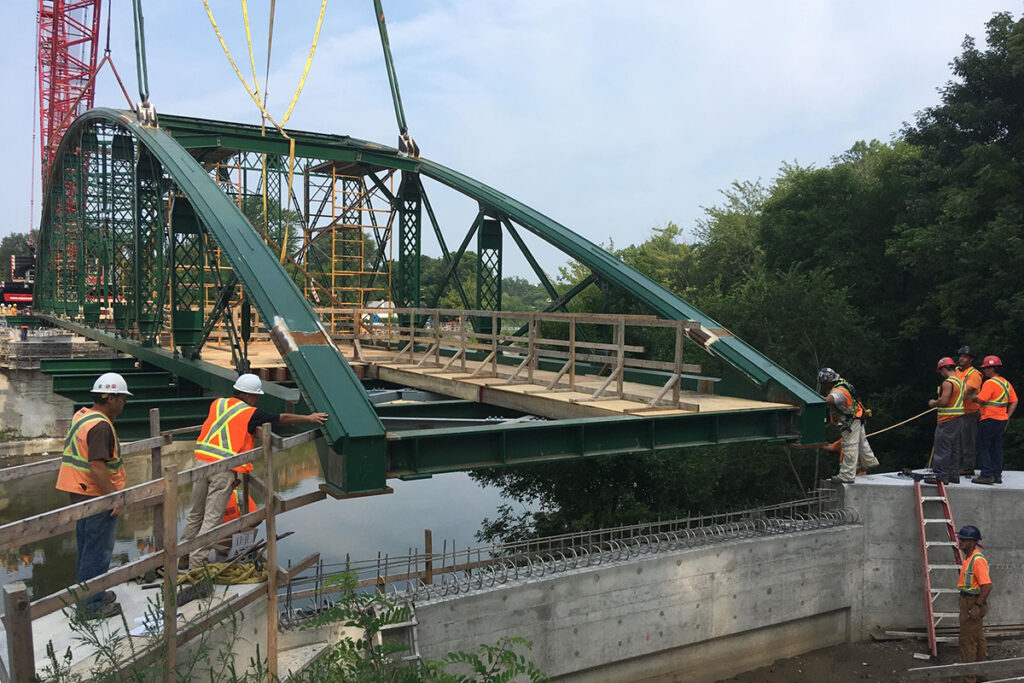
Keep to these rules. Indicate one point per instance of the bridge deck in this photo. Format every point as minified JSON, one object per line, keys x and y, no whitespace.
{"x":520,"y":394}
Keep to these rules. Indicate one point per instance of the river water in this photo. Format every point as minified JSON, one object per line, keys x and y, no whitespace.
{"x":451,"y":505}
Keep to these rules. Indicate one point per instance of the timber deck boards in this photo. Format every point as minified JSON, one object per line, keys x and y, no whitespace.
{"x":533,"y":398}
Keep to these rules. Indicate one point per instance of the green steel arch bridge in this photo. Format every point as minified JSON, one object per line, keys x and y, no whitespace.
{"x":153,"y":237}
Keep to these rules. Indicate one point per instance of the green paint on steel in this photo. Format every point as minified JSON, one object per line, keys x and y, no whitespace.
{"x":324,"y":377}
{"x":775,"y":383}
{"x":433,"y":451}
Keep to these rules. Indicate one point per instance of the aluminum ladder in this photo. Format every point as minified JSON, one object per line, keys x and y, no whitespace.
{"x":933,"y":511}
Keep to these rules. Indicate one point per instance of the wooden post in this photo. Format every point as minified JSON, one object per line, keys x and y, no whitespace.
{"x":678,"y":360}
{"x":155,"y":470}
{"x":494,"y":343}
{"x":268,"y":482}
{"x":620,"y":341}
{"x":428,"y":551}
{"x":572,"y":352}
{"x":170,"y":523}
{"x":531,"y":325}
{"x":462,"y":336}
{"x":18,"y":622}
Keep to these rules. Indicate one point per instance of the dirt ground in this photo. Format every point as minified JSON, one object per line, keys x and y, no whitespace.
{"x":869,"y":661}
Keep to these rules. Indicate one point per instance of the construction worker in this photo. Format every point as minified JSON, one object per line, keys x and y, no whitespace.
{"x":975,"y":586}
{"x":91,"y":466}
{"x":998,"y":400}
{"x":229,"y":430}
{"x":950,"y":404}
{"x":847,"y":412}
{"x":972,"y":379}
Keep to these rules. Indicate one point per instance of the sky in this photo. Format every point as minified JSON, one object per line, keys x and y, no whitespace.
{"x":612,"y":118}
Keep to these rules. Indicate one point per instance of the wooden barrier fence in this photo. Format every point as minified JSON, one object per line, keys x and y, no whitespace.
{"x":160,"y":493}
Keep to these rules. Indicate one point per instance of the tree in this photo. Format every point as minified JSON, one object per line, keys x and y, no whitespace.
{"x":14,"y":244}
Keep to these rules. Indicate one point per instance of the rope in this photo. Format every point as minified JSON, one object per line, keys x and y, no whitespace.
{"x":256,"y":99}
{"x":225,"y":573}
{"x":899,"y":424}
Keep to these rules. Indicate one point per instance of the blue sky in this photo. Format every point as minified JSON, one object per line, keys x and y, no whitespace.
{"x":612,"y":118}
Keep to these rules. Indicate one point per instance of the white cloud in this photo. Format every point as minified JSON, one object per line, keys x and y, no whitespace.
{"x":611,"y":117}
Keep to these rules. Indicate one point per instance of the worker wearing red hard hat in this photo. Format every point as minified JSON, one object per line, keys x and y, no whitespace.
{"x":950,"y":404}
{"x":998,"y":400}
{"x":972,"y":378}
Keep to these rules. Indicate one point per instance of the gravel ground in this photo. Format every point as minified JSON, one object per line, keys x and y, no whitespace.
{"x":868,"y":661}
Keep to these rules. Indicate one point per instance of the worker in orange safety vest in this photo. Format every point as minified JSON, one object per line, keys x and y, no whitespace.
{"x":972,"y":380}
{"x":998,"y":401}
{"x":975,"y":586}
{"x":91,"y":466}
{"x":848,"y":413}
{"x":229,"y":430}
{"x":950,"y":404}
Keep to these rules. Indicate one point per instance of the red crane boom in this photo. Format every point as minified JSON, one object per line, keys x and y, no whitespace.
{"x":68,"y":45}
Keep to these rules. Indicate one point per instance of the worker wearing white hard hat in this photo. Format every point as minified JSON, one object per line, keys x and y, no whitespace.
{"x":91,"y":466}
{"x":229,"y":430}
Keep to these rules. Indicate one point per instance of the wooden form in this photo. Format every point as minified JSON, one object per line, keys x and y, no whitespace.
{"x":161,"y":494}
{"x":421,"y":347}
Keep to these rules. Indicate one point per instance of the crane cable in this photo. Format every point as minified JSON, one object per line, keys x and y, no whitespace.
{"x":254,"y":94}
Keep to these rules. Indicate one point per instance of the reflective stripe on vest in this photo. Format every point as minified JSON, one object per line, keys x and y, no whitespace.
{"x":957,"y":408}
{"x":225,"y":432}
{"x":1004,"y":398}
{"x":75,"y":475}
{"x":220,"y":430}
{"x":968,"y":584}
{"x":854,"y":407}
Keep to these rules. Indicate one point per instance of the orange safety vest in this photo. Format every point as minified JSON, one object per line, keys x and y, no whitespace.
{"x":226,"y":432}
{"x":232,"y":511}
{"x":75,"y":476}
{"x":970,"y":405}
{"x":956,"y":408}
{"x":854,"y":408}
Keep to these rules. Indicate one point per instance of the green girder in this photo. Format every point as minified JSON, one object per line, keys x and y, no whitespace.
{"x":364,"y":456}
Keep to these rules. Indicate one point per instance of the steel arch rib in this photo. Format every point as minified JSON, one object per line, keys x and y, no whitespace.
{"x":324,"y":377}
{"x":775,"y":382}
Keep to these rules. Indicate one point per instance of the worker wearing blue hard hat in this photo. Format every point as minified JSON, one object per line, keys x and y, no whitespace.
{"x":975,"y":586}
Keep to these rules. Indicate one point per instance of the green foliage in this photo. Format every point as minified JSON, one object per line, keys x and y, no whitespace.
{"x":14,"y":244}
{"x":877,"y":264}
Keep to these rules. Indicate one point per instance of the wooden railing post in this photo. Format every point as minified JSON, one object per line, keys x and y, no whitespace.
{"x":428,"y":552}
{"x":268,"y":482}
{"x":18,"y":621}
{"x":155,"y":470}
{"x":170,"y":523}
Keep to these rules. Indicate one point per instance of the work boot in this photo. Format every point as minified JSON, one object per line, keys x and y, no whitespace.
{"x":954,"y":479}
{"x":104,"y":611}
{"x":837,"y":480}
{"x":969,"y":473}
{"x":933,"y":480}
{"x":998,"y":480}
{"x":983,"y":480}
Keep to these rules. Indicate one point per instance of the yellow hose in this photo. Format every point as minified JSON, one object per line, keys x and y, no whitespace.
{"x":225,"y":573}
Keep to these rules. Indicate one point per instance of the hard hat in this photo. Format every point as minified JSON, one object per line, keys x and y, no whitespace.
{"x":969,"y":533}
{"x":991,"y":362}
{"x":965,"y":350}
{"x":110,"y":383}
{"x":827,"y":376}
{"x":945,"y":363}
{"x":249,"y":384}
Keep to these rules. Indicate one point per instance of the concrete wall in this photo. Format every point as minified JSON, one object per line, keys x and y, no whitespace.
{"x":893,"y":587}
{"x":29,"y":407}
{"x":691,"y":615}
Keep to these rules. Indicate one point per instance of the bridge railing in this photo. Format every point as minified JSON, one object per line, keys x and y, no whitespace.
{"x":440,"y":340}
{"x":161,"y":495}
{"x":425,"y":575}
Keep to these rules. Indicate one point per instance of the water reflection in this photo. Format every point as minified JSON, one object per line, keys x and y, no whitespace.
{"x":451,"y":505}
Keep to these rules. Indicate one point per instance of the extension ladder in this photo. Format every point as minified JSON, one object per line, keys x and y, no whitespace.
{"x":943,"y":517}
